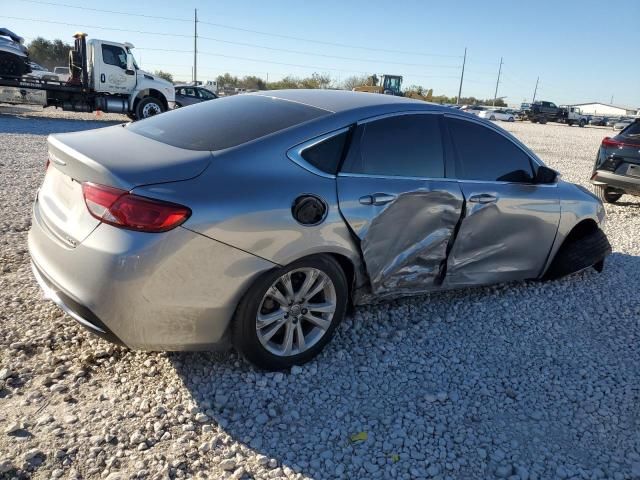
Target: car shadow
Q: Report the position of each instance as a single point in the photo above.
(365, 384)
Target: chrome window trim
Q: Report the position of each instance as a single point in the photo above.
(394, 177)
(399, 114)
(295, 153)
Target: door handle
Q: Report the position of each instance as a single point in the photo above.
(483, 198)
(377, 199)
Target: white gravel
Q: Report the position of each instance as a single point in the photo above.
(524, 381)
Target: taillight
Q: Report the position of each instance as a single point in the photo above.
(612, 142)
(125, 210)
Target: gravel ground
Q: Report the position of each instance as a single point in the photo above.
(522, 381)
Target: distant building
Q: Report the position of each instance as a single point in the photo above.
(597, 108)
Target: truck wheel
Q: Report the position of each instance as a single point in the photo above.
(581, 123)
(543, 121)
(148, 107)
(534, 120)
(580, 253)
(606, 194)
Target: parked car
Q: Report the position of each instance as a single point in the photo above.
(599, 121)
(189, 95)
(63, 73)
(38, 71)
(474, 109)
(617, 167)
(498, 114)
(622, 123)
(167, 234)
(14, 56)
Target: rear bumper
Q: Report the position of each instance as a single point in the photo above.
(172, 291)
(625, 183)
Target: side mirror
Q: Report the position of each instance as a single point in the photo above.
(546, 175)
(130, 65)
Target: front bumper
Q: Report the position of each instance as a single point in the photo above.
(625, 183)
(172, 291)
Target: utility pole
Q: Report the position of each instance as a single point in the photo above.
(495, 95)
(195, 46)
(611, 102)
(535, 90)
(462, 76)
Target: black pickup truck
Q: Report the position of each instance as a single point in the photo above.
(543, 112)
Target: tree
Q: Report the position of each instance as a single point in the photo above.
(166, 75)
(227, 81)
(252, 82)
(350, 83)
(49, 54)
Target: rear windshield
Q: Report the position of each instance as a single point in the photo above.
(225, 123)
(632, 132)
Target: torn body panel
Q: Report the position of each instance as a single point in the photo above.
(404, 232)
(506, 234)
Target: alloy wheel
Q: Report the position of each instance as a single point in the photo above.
(296, 311)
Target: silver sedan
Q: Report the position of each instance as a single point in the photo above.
(169, 234)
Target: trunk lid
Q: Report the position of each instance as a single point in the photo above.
(113, 157)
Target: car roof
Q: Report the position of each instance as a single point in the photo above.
(342, 100)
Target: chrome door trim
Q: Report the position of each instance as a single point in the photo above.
(393, 177)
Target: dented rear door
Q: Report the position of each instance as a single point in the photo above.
(394, 196)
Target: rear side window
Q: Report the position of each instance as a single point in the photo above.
(483, 154)
(225, 123)
(326, 155)
(405, 145)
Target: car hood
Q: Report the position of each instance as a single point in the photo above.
(117, 157)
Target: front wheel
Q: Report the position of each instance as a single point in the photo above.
(493, 117)
(148, 107)
(289, 314)
(606, 195)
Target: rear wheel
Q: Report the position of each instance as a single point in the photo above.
(577, 254)
(606, 194)
(290, 314)
(149, 107)
(510, 119)
(493, 117)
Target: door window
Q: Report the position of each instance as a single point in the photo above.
(113, 55)
(483, 154)
(403, 145)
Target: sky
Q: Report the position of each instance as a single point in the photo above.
(580, 49)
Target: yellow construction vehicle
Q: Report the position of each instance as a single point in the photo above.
(391, 85)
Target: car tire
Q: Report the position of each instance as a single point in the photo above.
(511, 119)
(542, 121)
(148, 107)
(533, 120)
(580, 253)
(493, 117)
(581, 123)
(606, 195)
(252, 342)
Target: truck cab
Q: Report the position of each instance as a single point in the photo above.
(114, 71)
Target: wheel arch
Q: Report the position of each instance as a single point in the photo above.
(577, 230)
(150, 92)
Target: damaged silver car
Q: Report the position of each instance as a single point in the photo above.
(259, 218)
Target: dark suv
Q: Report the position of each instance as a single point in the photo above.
(617, 168)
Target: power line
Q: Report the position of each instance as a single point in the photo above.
(231, 27)
(244, 44)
